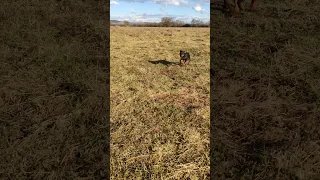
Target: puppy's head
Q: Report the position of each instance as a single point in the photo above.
(182, 53)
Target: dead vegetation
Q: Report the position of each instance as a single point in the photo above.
(265, 92)
(159, 110)
(53, 95)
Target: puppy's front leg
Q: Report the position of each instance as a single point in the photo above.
(180, 62)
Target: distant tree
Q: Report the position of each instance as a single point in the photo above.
(196, 22)
(178, 23)
(166, 21)
(186, 25)
(153, 24)
(126, 23)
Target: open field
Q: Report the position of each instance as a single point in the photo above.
(159, 110)
(53, 118)
(266, 91)
(53, 90)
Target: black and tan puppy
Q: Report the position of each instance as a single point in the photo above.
(184, 57)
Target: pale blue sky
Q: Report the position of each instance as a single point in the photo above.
(154, 10)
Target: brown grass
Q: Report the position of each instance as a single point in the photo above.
(159, 111)
(265, 96)
(53, 103)
(265, 93)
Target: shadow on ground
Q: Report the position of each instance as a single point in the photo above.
(164, 62)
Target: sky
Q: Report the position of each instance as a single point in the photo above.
(154, 10)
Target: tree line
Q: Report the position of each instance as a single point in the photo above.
(166, 22)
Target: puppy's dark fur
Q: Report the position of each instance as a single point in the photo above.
(184, 57)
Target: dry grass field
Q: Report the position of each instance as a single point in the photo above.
(159, 110)
(53, 90)
(54, 97)
(265, 93)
